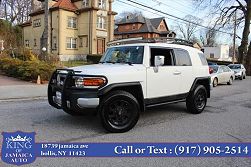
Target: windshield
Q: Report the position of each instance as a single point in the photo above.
(215, 68)
(124, 54)
(235, 66)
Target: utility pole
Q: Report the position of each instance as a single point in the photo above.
(45, 36)
(234, 39)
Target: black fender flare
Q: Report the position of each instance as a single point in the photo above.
(126, 85)
(206, 81)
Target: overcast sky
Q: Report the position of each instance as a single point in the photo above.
(179, 8)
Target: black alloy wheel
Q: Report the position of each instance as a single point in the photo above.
(119, 111)
(200, 99)
(197, 100)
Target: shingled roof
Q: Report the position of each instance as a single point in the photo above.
(149, 25)
(65, 4)
(156, 21)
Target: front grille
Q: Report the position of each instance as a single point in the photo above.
(60, 79)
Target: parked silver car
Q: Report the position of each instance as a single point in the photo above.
(239, 70)
(222, 74)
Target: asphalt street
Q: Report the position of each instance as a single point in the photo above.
(227, 118)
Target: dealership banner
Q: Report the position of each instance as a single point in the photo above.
(20, 148)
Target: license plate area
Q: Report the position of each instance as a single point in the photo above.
(58, 98)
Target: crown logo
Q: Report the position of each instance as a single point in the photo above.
(19, 139)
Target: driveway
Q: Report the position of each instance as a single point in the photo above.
(6, 81)
(12, 88)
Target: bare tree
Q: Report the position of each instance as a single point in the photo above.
(226, 9)
(187, 30)
(16, 11)
(125, 14)
(208, 37)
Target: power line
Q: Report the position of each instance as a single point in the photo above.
(181, 4)
(169, 6)
(145, 6)
(155, 13)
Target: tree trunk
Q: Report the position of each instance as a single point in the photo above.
(244, 43)
(248, 60)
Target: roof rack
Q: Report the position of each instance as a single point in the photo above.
(150, 40)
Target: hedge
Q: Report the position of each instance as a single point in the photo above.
(26, 70)
(93, 58)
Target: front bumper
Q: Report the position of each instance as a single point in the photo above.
(238, 75)
(62, 93)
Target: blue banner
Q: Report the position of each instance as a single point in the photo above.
(19, 148)
(144, 149)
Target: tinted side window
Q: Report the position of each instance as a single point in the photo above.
(182, 57)
(203, 59)
(226, 69)
(220, 70)
(167, 53)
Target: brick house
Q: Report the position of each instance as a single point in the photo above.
(139, 26)
(76, 28)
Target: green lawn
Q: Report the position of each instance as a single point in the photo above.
(74, 63)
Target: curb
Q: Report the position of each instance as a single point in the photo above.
(23, 99)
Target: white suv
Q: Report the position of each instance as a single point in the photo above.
(132, 76)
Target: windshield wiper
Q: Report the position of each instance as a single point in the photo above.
(102, 62)
(128, 62)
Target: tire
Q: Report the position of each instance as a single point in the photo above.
(119, 111)
(215, 82)
(197, 100)
(241, 78)
(230, 82)
(244, 77)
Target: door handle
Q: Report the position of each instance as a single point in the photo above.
(177, 73)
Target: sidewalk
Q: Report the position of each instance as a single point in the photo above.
(4, 81)
(11, 88)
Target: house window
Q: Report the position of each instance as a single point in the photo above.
(85, 3)
(211, 55)
(101, 4)
(71, 43)
(72, 22)
(27, 43)
(101, 23)
(80, 42)
(35, 42)
(37, 23)
(54, 43)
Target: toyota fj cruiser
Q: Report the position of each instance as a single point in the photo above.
(133, 75)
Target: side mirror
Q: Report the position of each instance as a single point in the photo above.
(159, 61)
